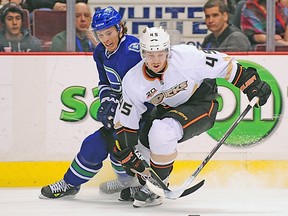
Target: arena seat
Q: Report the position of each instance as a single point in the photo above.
(236, 18)
(46, 24)
(262, 48)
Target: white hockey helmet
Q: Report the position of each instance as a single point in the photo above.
(154, 39)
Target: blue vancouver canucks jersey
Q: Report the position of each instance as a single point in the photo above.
(112, 67)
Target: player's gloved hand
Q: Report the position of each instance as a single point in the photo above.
(106, 111)
(130, 159)
(260, 89)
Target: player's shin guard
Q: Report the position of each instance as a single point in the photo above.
(162, 170)
(81, 171)
(162, 164)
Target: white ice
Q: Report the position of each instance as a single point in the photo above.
(204, 202)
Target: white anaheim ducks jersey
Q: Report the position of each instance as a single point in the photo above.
(187, 68)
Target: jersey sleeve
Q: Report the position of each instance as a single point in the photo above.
(130, 108)
(212, 64)
(128, 114)
(103, 84)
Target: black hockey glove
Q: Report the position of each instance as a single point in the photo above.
(248, 80)
(129, 158)
(106, 111)
(262, 90)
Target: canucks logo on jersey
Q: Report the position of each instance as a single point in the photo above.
(134, 47)
(114, 79)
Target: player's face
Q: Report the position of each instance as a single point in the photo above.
(109, 38)
(156, 60)
(13, 23)
(216, 21)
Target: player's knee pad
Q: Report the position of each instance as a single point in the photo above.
(164, 135)
(94, 148)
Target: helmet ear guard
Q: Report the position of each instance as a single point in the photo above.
(154, 39)
(106, 18)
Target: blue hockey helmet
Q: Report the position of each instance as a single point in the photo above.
(106, 18)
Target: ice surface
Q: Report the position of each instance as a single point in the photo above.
(204, 202)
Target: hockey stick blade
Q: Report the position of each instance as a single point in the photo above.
(173, 194)
(192, 189)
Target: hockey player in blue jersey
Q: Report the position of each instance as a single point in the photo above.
(114, 56)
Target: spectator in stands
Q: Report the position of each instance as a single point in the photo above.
(224, 36)
(253, 22)
(17, 2)
(231, 7)
(58, 5)
(6, 2)
(85, 39)
(13, 38)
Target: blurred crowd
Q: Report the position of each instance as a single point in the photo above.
(17, 23)
(229, 23)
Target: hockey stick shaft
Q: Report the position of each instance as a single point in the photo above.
(183, 189)
(226, 135)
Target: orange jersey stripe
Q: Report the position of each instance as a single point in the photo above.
(239, 75)
(201, 116)
(126, 130)
(161, 166)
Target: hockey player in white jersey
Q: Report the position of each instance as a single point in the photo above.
(180, 82)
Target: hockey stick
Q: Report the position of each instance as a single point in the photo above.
(184, 190)
(164, 187)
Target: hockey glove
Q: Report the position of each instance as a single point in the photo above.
(249, 82)
(262, 90)
(106, 111)
(130, 159)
